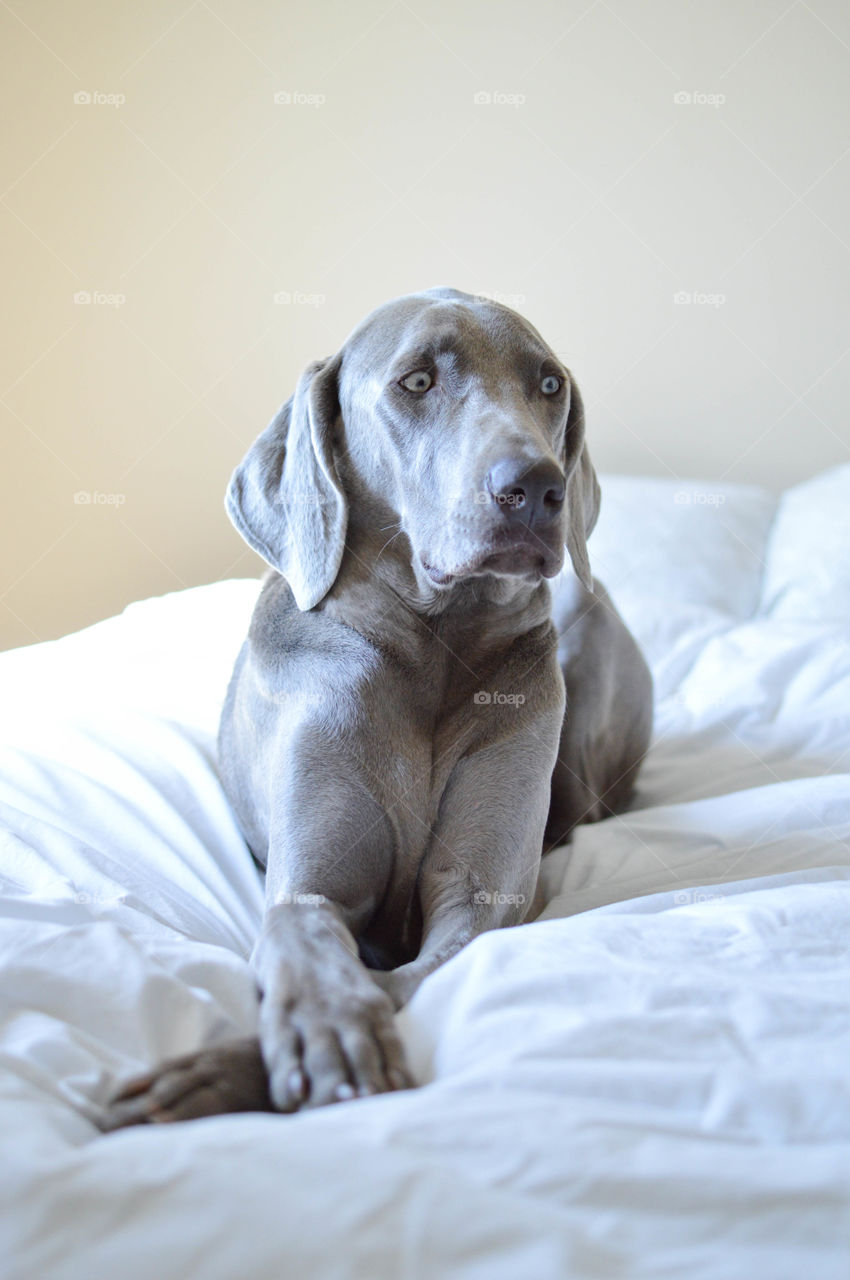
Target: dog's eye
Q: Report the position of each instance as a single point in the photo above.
(419, 381)
(551, 384)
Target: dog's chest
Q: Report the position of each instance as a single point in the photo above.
(422, 723)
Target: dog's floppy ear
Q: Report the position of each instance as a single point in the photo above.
(582, 490)
(285, 497)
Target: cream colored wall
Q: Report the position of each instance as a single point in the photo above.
(582, 191)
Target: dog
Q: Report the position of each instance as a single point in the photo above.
(394, 739)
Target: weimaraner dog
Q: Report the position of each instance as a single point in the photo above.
(394, 740)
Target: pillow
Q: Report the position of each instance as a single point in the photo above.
(682, 561)
(807, 576)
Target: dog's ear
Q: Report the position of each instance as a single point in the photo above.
(285, 497)
(582, 490)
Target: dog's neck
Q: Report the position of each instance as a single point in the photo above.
(491, 609)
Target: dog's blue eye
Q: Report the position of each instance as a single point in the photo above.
(419, 381)
(550, 384)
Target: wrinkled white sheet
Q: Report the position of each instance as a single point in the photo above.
(652, 1080)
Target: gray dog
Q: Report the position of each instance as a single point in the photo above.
(394, 741)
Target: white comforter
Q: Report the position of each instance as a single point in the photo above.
(654, 1080)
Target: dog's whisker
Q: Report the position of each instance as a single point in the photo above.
(387, 543)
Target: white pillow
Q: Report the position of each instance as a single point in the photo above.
(682, 561)
(808, 557)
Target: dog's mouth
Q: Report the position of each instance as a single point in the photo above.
(521, 554)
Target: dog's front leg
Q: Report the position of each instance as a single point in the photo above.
(482, 865)
(326, 1029)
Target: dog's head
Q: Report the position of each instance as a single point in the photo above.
(445, 423)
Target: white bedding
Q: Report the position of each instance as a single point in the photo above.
(654, 1080)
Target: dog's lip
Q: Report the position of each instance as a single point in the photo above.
(516, 559)
(438, 576)
(516, 554)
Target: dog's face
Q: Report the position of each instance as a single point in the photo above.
(457, 414)
(444, 418)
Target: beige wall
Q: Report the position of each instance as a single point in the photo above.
(582, 190)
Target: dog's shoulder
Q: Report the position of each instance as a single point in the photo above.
(282, 637)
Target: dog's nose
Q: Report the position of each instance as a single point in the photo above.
(527, 492)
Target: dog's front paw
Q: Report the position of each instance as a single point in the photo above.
(321, 1048)
(228, 1077)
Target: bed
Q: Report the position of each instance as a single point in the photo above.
(651, 1080)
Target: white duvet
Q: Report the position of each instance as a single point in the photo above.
(654, 1080)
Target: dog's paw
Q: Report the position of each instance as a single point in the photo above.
(229, 1077)
(319, 1050)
